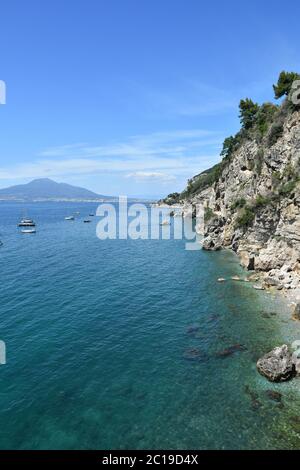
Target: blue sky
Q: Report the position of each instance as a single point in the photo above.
(133, 96)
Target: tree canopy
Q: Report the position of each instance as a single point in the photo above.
(284, 84)
(248, 113)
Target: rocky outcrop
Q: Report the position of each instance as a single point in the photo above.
(277, 365)
(255, 206)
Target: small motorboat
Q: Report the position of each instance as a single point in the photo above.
(28, 231)
(70, 217)
(91, 215)
(165, 222)
(87, 221)
(26, 223)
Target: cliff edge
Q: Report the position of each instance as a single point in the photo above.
(252, 197)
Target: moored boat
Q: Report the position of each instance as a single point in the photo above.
(28, 231)
(165, 222)
(26, 223)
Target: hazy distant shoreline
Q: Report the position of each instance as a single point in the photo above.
(112, 200)
(47, 190)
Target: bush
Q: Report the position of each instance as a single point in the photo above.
(238, 204)
(265, 117)
(248, 113)
(204, 180)
(259, 161)
(245, 217)
(172, 198)
(208, 214)
(261, 201)
(230, 145)
(290, 172)
(276, 179)
(289, 187)
(275, 133)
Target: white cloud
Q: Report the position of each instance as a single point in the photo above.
(160, 156)
(151, 176)
(157, 143)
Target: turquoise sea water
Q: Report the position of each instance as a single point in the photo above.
(116, 344)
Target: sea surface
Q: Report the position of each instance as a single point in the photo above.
(133, 344)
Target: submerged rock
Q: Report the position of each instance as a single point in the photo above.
(194, 354)
(193, 329)
(255, 403)
(273, 395)
(277, 365)
(266, 315)
(231, 350)
(296, 312)
(295, 423)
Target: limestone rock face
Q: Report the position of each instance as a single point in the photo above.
(213, 235)
(277, 365)
(271, 242)
(247, 260)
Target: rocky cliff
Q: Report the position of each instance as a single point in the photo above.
(252, 198)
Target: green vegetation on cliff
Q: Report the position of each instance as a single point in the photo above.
(262, 124)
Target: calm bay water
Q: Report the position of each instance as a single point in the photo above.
(115, 344)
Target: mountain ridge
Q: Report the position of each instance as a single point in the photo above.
(48, 189)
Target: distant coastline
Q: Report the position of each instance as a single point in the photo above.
(74, 200)
(24, 200)
(47, 190)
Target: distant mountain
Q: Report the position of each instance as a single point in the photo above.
(47, 189)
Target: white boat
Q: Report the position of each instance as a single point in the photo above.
(26, 223)
(165, 222)
(28, 231)
(70, 217)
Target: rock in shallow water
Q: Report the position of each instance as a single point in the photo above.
(273, 395)
(255, 403)
(231, 350)
(296, 312)
(195, 354)
(193, 329)
(277, 365)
